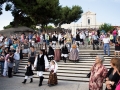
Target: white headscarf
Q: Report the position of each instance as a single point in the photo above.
(56, 65)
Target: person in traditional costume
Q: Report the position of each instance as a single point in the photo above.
(53, 75)
(54, 38)
(64, 53)
(68, 40)
(41, 64)
(74, 53)
(57, 53)
(31, 55)
(29, 72)
(50, 53)
(78, 39)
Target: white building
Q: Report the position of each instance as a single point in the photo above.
(88, 20)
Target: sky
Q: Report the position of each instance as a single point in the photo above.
(106, 10)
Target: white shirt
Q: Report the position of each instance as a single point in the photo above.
(106, 40)
(59, 37)
(6, 44)
(33, 42)
(1, 38)
(46, 61)
(53, 67)
(16, 56)
(118, 32)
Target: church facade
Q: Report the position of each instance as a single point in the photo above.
(88, 20)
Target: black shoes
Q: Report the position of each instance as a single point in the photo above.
(31, 80)
(41, 80)
(24, 81)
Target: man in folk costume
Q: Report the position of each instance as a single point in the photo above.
(64, 53)
(41, 63)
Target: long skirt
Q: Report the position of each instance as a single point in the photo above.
(74, 55)
(52, 78)
(57, 55)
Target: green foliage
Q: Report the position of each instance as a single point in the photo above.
(68, 15)
(33, 12)
(8, 26)
(49, 27)
(107, 27)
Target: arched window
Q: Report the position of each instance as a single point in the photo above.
(88, 21)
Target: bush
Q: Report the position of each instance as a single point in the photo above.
(107, 27)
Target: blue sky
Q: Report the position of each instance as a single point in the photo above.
(106, 10)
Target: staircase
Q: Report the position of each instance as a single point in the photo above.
(73, 71)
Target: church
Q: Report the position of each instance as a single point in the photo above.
(88, 20)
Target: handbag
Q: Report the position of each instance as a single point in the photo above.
(88, 75)
(118, 86)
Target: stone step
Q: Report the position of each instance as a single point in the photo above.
(61, 71)
(78, 79)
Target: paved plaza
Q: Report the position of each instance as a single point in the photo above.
(15, 84)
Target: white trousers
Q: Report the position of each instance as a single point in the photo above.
(26, 77)
(5, 68)
(40, 73)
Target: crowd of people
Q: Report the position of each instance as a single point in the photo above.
(53, 48)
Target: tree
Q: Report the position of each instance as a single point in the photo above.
(107, 27)
(68, 15)
(33, 11)
(1, 4)
(8, 26)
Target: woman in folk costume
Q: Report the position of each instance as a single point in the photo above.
(50, 53)
(53, 76)
(74, 53)
(64, 53)
(57, 53)
(29, 73)
(68, 40)
(32, 55)
(45, 49)
(41, 64)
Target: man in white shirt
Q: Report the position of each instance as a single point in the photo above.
(119, 31)
(17, 61)
(106, 42)
(41, 64)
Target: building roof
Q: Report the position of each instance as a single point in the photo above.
(19, 29)
(89, 12)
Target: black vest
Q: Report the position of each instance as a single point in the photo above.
(40, 63)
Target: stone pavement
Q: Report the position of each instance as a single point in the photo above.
(15, 84)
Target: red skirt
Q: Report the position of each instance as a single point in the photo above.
(57, 55)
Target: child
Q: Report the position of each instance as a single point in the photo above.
(10, 64)
(53, 76)
(29, 73)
